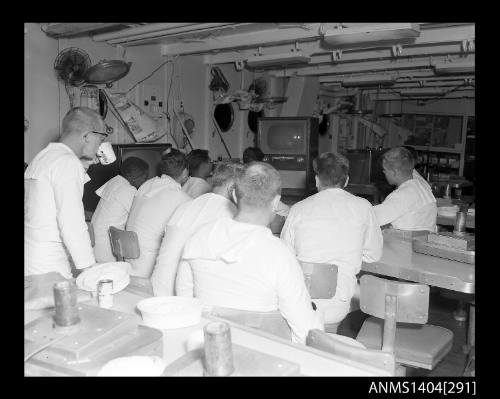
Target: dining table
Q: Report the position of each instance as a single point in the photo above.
(177, 343)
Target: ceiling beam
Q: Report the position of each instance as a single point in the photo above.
(75, 28)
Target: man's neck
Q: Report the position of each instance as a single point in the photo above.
(401, 180)
(253, 216)
(320, 188)
(73, 146)
(222, 191)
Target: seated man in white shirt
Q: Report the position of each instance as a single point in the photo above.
(334, 227)
(200, 168)
(56, 237)
(412, 205)
(239, 264)
(114, 206)
(252, 154)
(187, 219)
(154, 203)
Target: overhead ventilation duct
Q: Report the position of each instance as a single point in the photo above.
(293, 57)
(374, 80)
(450, 68)
(361, 35)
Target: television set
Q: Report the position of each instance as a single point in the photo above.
(290, 144)
(100, 174)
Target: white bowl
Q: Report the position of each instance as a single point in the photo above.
(448, 211)
(165, 312)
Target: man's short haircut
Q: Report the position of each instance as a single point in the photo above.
(399, 159)
(258, 184)
(252, 154)
(225, 172)
(332, 169)
(80, 119)
(196, 158)
(134, 167)
(413, 152)
(173, 163)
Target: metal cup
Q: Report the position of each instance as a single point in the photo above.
(66, 304)
(218, 350)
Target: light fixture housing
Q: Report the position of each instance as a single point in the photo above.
(422, 92)
(293, 57)
(361, 35)
(451, 68)
(369, 80)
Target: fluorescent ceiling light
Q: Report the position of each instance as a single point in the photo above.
(293, 57)
(422, 93)
(344, 37)
(447, 68)
(374, 80)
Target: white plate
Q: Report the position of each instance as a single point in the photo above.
(448, 211)
(119, 272)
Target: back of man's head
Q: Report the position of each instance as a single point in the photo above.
(173, 163)
(80, 120)
(133, 167)
(226, 173)
(257, 185)
(399, 159)
(332, 169)
(196, 159)
(252, 154)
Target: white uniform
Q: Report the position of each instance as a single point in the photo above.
(335, 227)
(112, 210)
(411, 206)
(55, 233)
(243, 266)
(196, 186)
(186, 219)
(154, 203)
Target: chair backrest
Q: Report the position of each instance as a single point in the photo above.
(124, 244)
(320, 279)
(90, 228)
(339, 346)
(394, 301)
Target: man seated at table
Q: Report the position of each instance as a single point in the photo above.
(116, 197)
(239, 264)
(252, 154)
(187, 219)
(200, 167)
(334, 227)
(412, 205)
(154, 203)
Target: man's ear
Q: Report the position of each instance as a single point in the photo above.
(275, 202)
(346, 181)
(233, 194)
(317, 180)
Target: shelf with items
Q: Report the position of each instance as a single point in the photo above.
(470, 148)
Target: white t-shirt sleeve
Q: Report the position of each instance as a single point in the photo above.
(184, 285)
(373, 240)
(293, 299)
(287, 232)
(67, 185)
(394, 206)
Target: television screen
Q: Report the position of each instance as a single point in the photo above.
(283, 136)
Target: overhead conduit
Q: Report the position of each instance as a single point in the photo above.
(156, 31)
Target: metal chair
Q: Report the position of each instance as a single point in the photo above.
(351, 349)
(90, 229)
(414, 342)
(321, 282)
(125, 245)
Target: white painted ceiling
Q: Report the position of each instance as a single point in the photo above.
(410, 61)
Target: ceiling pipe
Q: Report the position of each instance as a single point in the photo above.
(170, 32)
(139, 30)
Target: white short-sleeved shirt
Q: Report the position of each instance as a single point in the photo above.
(412, 206)
(196, 186)
(55, 232)
(334, 227)
(243, 266)
(186, 220)
(154, 203)
(112, 210)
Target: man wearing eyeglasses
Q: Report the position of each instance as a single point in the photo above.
(56, 238)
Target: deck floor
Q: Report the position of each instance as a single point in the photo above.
(440, 314)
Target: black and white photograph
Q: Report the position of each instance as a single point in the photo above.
(251, 199)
